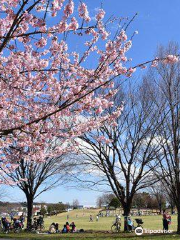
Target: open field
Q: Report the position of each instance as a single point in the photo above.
(81, 219)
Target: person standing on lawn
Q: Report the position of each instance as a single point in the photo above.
(91, 218)
(165, 220)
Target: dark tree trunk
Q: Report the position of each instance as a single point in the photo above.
(178, 207)
(29, 211)
(178, 220)
(126, 214)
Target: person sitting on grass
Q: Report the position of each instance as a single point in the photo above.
(64, 229)
(73, 227)
(57, 227)
(5, 224)
(67, 227)
(52, 228)
(17, 223)
(22, 218)
(130, 224)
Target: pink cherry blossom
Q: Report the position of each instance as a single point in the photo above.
(132, 70)
(41, 43)
(73, 25)
(69, 8)
(170, 59)
(100, 15)
(83, 12)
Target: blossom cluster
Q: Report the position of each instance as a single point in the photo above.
(171, 59)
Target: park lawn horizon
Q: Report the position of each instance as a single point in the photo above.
(81, 219)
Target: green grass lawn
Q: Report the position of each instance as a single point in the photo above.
(81, 219)
(99, 230)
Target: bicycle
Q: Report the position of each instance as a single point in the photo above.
(116, 227)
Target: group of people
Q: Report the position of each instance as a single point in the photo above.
(54, 228)
(16, 223)
(91, 218)
(69, 227)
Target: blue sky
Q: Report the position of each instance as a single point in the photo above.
(157, 23)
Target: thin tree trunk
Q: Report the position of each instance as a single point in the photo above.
(160, 208)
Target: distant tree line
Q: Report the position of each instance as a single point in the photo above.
(55, 208)
(142, 200)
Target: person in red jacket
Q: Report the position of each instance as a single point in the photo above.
(67, 227)
(165, 220)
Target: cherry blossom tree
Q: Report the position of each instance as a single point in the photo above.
(45, 80)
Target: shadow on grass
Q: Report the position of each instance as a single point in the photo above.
(88, 236)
